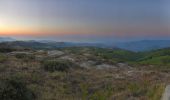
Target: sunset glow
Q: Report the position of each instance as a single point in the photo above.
(98, 18)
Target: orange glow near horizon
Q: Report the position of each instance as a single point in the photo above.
(17, 27)
(84, 18)
(32, 27)
(37, 31)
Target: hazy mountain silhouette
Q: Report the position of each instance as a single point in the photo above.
(144, 45)
(5, 39)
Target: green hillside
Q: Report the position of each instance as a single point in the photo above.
(157, 57)
(82, 73)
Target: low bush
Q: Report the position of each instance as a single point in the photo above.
(2, 58)
(20, 56)
(14, 89)
(57, 65)
(25, 57)
(5, 50)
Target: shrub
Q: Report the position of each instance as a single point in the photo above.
(2, 58)
(5, 50)
(25, 57)
(14, 89)
(155, 92)
(20, 56)
(57, 65)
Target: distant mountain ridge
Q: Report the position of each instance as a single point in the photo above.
(5, 39)
(144, 45)
(136, 46)
(47, 45)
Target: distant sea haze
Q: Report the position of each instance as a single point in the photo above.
(137, 46)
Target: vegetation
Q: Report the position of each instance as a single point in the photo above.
(84, 73)
(25, 57)
(5, 50)
(2, 58)
(14, 89)
(58, 65)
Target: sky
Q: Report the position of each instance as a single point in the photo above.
(85, 20)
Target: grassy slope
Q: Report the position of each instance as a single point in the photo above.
(81, 84)
(92, 84)
(159, 57)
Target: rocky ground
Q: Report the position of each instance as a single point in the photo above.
(85, 76)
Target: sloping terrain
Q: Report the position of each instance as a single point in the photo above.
(82, 73)
(144, 45)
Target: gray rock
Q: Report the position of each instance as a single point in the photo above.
(166, 94)
(87, 64)
(55, 53)
(103, 66)
(67, 57)
(20, 52)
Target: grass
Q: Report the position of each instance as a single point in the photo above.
(162, 60)
(15, 89)
(3, 58)
(56, 79)
(25, 57)
(57, 65)
(155, 92)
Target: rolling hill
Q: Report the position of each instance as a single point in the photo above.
(144, 45)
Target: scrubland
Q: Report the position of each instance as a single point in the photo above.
(83, 73)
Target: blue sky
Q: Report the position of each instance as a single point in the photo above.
(85, 20)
